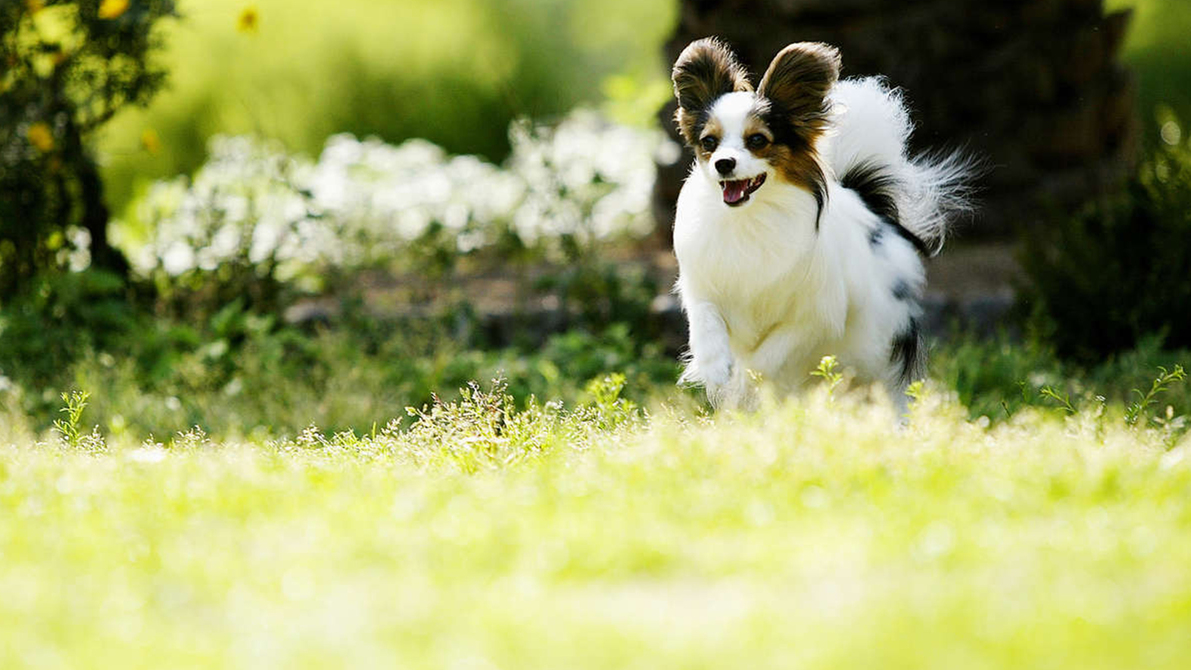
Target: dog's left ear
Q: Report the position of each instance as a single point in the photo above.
(798, 81)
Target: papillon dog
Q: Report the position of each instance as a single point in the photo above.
(801, 229)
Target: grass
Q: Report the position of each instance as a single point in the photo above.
(807, 535)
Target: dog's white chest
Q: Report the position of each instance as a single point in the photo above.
(753, 264)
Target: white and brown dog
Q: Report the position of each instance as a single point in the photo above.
(801, 228)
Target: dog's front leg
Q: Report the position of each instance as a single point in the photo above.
(711, 354)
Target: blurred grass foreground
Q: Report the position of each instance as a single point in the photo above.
(807, 535)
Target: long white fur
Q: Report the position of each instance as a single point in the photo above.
(766, 293)
(872, 124)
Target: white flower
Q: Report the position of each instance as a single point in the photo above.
(178, 258)
(365, 200)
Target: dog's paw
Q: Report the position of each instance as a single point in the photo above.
(717, 376)
(708, 372)
(716, 372)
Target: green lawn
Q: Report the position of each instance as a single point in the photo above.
(809, 535)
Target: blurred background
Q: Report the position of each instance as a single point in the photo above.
(253, 216)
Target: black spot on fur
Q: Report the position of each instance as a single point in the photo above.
(908, 355)
(876, 188)
(902, 290)
(876, 235)
(820, 192)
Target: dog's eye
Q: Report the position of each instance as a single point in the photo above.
(709, 143)
(756, 141)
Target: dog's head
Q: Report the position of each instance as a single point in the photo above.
(744, 138)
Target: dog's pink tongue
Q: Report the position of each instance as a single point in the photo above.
(734, 191)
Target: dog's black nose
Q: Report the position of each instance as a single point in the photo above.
(725, 165)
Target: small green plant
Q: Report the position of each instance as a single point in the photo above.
(68, 429)
(1162, 383)
(481, 429)
(828, 372)
(605, 391)
(607, 408)
(917, 390)
(1061, 397)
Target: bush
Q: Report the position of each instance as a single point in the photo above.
(61, 316)
(258, 222)
(1121, 269)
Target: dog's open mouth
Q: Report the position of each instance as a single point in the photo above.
(737, 192)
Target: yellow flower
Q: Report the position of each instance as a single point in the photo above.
(151, 141)
(40, 136)
(249, 20)
(112, 9)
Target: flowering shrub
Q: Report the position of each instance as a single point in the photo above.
(258, 210)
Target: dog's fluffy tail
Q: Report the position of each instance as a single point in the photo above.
(872, 130)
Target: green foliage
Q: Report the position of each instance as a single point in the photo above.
(60, 317)
(596, 295)
(998, 379)
(69, 67)
(1117, 272)
(606, 409)
(239, 372)
(993, 376)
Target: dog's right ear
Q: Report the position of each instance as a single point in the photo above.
(705, 70)
(798, 82)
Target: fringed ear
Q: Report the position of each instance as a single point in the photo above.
(797, 83)
(704, 71)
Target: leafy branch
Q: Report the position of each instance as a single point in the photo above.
(1162, 383)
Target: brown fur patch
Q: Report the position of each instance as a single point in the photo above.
(796, 86)
(754, 125)
(711, 128)
(798, 167)
(704, 71)
(795, 161)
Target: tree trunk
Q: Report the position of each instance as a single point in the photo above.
(94, 214)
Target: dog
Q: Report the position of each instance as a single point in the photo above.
(802, 226)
